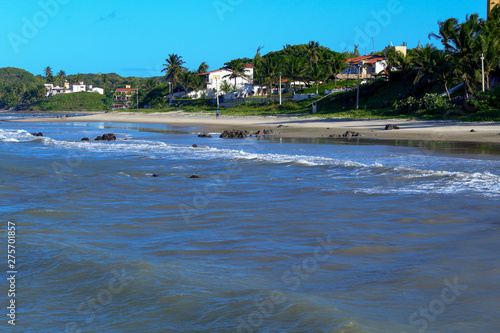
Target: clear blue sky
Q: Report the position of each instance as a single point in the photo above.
(134, 37)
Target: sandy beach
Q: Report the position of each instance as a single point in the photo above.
(305, 127)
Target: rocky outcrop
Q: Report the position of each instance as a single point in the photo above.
(85, 139)
(390, 127)
(204, 135)
(106, 137)
(347, 135)
(194, 146)
(264, 132)
(194, 176)
(37, 134)
(234, 134)
(473, 131)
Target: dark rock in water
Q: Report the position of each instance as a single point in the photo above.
(473, 131)
(391, 127)
(106, 137)
(264, 132)
(109, 137)
(155, 175)
(205, 135)
(85, 139)
(347, 135)
(194, 146)
(234, 134)
(37, 134)
(194, 176)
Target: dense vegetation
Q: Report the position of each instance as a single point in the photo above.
(411, 86)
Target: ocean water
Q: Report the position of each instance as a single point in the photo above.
(275, 235)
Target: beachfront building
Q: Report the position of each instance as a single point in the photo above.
(124, 97)
(492, 4)
(69, 89)
(372, 65)
(214, 79)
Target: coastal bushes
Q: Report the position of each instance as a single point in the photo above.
(429, 103)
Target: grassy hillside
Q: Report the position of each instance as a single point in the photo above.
(10, 76)
(74, 102)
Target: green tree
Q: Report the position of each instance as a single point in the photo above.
(203, 68)
(317, 74)
(61, 77)
(173, 69)
(336, 65)
(78, 78)
(313, 53)
(150, 84)
(227, 88)
(48, 74)
(237, 68)
(488, 41)
(424, 62)
(270, 73)
(295, 69)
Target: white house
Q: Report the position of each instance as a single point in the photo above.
(215, 78)
(373, 65)
(68, 89)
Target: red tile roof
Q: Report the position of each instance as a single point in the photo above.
(219, 70)
(370, 59)
(125, 89)
(224, 69)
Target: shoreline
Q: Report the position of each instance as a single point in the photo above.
(299, 127)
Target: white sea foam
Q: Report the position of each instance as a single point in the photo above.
(7, 135)
(395, 179)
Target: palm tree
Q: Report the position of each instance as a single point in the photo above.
(295, 68)
(402, 62)
(317, 74)
(270, 72)
(336, 65)
(173, 68)
(444, 69)
(78, 78)
(104, 80)
(48, 73)
(203, 68)
(150, 84)
(460, 41)
(61, 77)
(424, 58)
(313, 52)
(227, 87)
(237, 68)
(489, 44)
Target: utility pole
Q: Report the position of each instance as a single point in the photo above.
(482, 69)
(357, 98)
(216, 77)
(169, 93)
(280, 88)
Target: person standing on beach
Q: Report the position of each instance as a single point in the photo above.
(217, 114)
